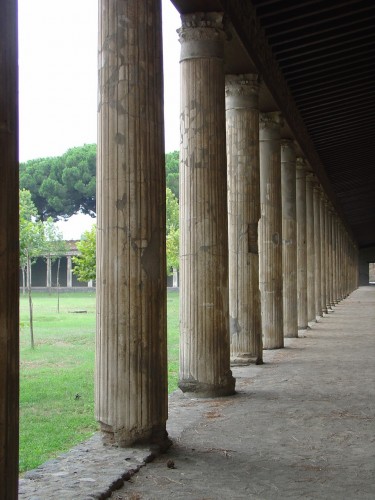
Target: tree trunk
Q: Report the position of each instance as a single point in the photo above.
(24, 280)
(28, 271)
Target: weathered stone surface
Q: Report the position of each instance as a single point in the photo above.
(317, 250)
(204, 304)
(242, 122)
(323, 276)
(270, 232)
(310, 249)
(300, 427)
(131, 372)
(301, 244)
(88, 471)
(289, 232)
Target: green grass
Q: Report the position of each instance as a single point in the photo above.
(57, 377)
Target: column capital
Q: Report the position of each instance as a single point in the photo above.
(301, 164)
(310, 177)
(242, 91)
(288, 152)
(272, 120)
(316, 184)
(247, 84)
(202, 35)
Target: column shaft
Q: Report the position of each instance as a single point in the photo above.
(270, 232)
(301, 244)
(131, 371)
(9, 251)
(289, 232)
(48, 272)
(242, 124)
(69, 271)
(204, 302)
(317, 251)
(323, 255)
(327, 256)
(310, 248)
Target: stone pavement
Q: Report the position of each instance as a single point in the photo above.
(301, 426)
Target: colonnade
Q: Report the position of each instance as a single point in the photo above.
(262, 252)
(247, 202)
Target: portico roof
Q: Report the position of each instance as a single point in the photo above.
(317, 61)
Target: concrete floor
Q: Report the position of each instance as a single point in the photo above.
(301, 425)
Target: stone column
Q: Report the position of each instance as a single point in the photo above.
(48, 273)
(69, 271)
(289, 233)
(204, 301)
(301, 244)
(131, 369)
(328, 265)
(242, 120)
(317, 253)
(175, 278)
(310, 249)
(270, 231)
(335, 259)
(9, 251)
(332, 239)
(323, 254)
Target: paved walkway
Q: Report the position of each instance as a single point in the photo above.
(302, 425)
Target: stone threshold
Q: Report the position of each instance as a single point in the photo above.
(88, 471)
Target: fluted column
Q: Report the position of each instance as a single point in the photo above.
(328, 264)
(9, 252)
(131, 369)
(204, 301)
(336, 258)
(301, 244)
(48, 272)
(333, 258)
(242, 122)
(69, 271)
(310, 249)
(270, 232)
(317, 250)
(323, 274)
(289, 237)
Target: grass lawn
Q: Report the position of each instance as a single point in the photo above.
(57, 377)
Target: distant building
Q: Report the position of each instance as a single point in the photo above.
(44, 271)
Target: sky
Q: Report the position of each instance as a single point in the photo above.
(58, 78)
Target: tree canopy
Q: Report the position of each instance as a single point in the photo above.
(172, 230)
(63, 185)
(172, 172)
(85, 261)
(31, 230)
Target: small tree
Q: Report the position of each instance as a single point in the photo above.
(173, 232)
(173, 239)
(54, 248)
(31, 244)
(85, 261)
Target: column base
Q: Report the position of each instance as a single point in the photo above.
(291, 335)
(245, 359)
(156, 437)
(269, 348)
(195, 389)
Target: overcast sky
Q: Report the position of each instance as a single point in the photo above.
(58, 75)
(58, 81)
